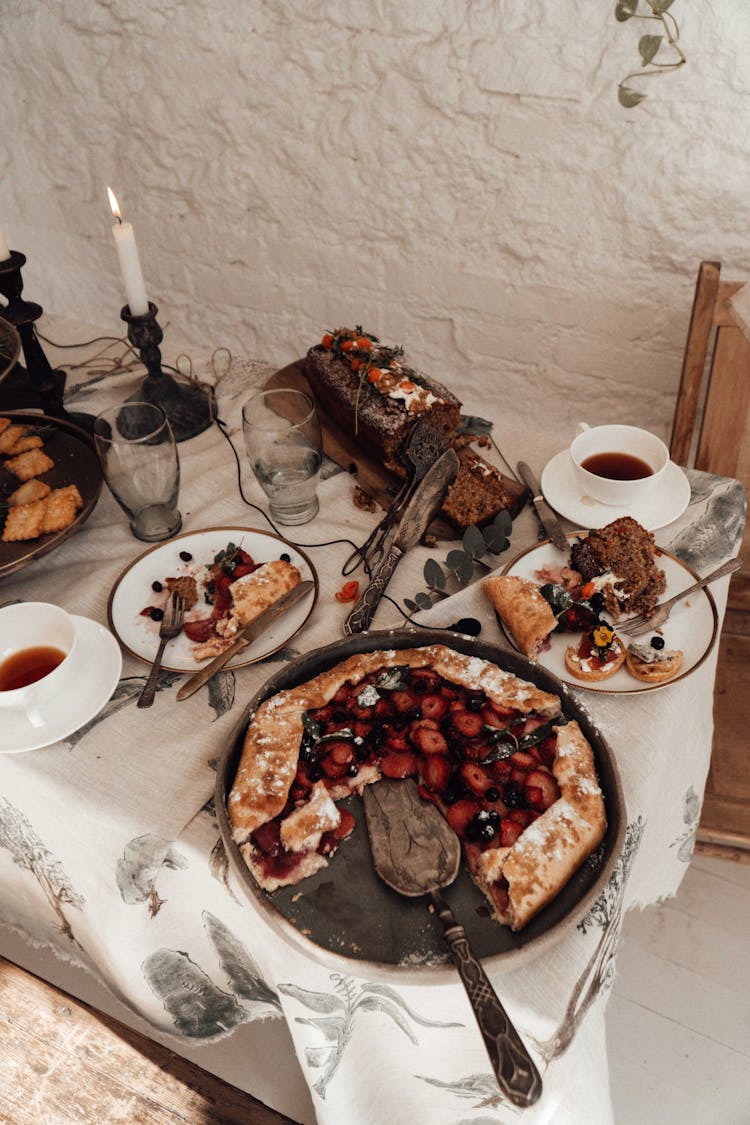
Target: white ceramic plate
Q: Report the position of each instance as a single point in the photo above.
(132, 593)
(100, 662)
(562, 491)
(692, 625)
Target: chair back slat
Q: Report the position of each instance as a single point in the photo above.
(694, 362)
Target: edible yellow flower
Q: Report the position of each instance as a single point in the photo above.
(603, 636)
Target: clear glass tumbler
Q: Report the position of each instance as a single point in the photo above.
(139, 459)
(283, 444)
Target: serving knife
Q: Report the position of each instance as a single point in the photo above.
(422, 505)
(257, 626)
(547, 517)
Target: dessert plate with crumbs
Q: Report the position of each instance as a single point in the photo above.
(692, 626)
(139, 595)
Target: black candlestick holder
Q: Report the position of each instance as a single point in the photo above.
(37, 385)
(187, 406)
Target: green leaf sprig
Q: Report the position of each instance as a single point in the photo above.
(649, 46)
(460, 562)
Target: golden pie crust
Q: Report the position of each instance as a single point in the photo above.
(524, 612)
(538, 864)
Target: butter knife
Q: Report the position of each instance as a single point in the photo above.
(257, 626)
(547, 517)
(422, 505)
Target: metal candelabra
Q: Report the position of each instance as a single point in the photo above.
(187, 406)
(37, 385)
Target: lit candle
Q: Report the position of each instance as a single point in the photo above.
(4, 251)
(130, 266)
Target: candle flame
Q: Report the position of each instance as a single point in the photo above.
(114, 204)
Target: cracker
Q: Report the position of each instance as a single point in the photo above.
(25, 443)
(24, 522)
(59, 511)
(32, 490)
(28, 465)
(9, 437)
(70, 490)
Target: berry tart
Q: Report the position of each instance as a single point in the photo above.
(493, 752)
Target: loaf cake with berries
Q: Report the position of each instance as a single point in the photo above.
(370, 393)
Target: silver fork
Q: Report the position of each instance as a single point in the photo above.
(171, 626)
(635, 626)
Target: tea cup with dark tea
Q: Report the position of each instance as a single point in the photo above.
(618, 465)
(37, 643)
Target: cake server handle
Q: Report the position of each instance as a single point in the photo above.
(361, 616)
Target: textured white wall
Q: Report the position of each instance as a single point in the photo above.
(456, 176)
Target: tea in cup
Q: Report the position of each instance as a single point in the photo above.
(618, 465)
(37, 642)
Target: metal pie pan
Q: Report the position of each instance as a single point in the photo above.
(345, 917)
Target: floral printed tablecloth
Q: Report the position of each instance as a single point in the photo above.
(110, 853)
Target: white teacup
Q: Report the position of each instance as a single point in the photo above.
(35, 625)
(600, 454)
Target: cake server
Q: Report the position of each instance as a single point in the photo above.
(424, 446)
(418, 511)
(416, 852)
(547, 517)
(247, 635)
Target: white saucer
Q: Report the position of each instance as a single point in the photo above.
(100, 660)
(563, 492)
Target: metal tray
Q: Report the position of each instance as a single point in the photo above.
(345, 914)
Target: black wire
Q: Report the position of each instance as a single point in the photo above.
(327, 543)
(84, 343)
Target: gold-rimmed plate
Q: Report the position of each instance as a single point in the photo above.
(192, 554)
(692, 626)
(76, 463)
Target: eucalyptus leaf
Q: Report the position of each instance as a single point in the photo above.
(465, 571)
(410, 605)
(433, 575)
(454, 559)
(503, 521)
(424, 601)
(394, 679)
(473, 542)
(648, 45)
(628, 97)
(660, 6)
(470, 424)
(625, 10)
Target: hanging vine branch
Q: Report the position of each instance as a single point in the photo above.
(649, 46)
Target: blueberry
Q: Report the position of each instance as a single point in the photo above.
(156, 614)
(492, 794)
(494, 816)
(657, 642)
(467, 625)
(480, 829)
(157, 587)
(186, 556)
(353, 770)
(449, 795)
(513, 795)
(285, 557)
(474, 703)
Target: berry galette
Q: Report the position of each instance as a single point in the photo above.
(512, 777)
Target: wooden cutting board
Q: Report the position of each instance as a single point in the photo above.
(371, 476)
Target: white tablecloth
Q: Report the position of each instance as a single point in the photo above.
(110, 854)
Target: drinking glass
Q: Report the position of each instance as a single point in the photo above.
(282, 440)
(139, 459)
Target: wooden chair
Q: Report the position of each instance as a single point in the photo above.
(711, 431)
